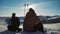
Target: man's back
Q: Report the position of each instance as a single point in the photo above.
(15, 21)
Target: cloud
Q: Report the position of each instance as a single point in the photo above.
(42, 6)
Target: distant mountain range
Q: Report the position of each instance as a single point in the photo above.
(44, 19)
(50, 19)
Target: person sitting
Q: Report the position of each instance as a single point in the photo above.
(14, 23)
(32, 22)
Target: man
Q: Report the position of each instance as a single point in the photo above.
(31, 20)
(14, 23)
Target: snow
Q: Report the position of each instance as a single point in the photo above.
(7, 32)
(24, 32)
(50, 28)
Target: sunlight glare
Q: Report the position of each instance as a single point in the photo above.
(31, 6)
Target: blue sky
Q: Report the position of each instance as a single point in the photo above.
(41, 7)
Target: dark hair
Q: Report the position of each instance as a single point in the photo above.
(31, 10)
(13, 15)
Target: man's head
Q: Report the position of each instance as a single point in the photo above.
(31, 10)
(13, 15)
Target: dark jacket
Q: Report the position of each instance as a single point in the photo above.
(30, 20)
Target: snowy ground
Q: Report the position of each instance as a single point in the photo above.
(50, 28)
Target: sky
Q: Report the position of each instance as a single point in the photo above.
(41, 7)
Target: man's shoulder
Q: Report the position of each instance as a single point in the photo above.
(16, 18)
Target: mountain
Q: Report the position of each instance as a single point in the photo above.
(44, 19)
